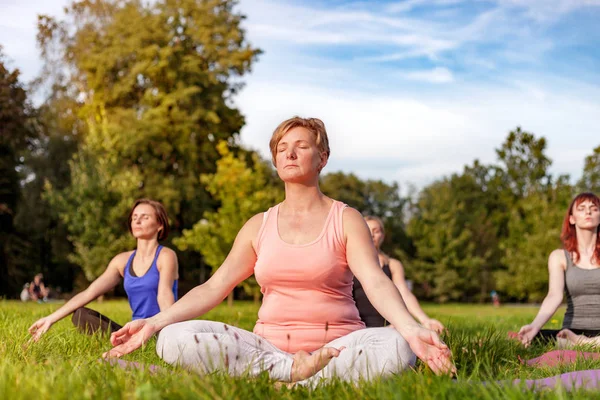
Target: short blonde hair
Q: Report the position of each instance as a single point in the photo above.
(314, 125)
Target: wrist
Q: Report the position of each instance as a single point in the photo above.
(158, 322)
(408, 330)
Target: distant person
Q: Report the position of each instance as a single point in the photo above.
(303, 252)
(37, 290)
(150, 274)
(576, 270)
(495, 298)
(394, 270)
(25, 292)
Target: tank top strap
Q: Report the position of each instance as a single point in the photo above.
(336, 228)
(155, 261)
(267, 215)
(129, 261)
(569, 259)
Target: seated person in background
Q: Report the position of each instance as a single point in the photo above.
(37, 289)
(576, 269)
(394, 270)
(150, 276)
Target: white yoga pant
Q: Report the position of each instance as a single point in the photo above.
(208, 346)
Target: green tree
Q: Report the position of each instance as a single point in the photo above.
(523, 164)
(455, 240)
(590, 179)
(243, 188)
(153, 84)
(535, 204)
(16, 134)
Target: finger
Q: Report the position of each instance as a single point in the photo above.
(33, 328)
(438, 342)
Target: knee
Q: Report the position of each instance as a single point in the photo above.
(167, 345)
(77, 315)
(400, 349)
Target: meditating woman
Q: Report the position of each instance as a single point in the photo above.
(150, 276)
(303, 252)
(576, 270)
(395, 271)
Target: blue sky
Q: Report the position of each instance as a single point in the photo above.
(409, 90)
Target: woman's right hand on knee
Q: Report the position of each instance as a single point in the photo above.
(527, 333)
(131, 337)
(40, 327)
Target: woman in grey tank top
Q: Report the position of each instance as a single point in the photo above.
(575, 269)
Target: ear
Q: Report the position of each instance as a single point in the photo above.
(571, 220)
(324, 159)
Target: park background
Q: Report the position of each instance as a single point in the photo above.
(466, 126)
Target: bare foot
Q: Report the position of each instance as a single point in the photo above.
(306, 365)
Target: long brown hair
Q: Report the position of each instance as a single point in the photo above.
(161, 216)
(569, 234)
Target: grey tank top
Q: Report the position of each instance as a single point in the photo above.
(583, 296)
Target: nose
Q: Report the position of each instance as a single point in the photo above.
(291, 154)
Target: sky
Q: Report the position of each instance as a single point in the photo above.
(410, 91)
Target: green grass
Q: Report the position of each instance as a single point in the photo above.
(65, 364)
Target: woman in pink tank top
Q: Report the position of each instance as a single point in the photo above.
(304, 253)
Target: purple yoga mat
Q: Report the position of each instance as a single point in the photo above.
(588, 379)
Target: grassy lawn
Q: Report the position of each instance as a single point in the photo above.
(65, 364)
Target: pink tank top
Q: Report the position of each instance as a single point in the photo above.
(307, 289)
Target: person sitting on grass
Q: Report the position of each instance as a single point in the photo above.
(150, 276)
(37, 290)
(576, 269)
(303, 252)
(394, 271)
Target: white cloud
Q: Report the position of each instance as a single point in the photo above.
(435, 75)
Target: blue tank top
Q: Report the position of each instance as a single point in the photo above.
(143, 290)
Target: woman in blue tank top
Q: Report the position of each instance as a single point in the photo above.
(150, 276)
(575, 269)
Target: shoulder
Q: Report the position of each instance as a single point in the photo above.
(352, 216)
(254, 223)
(122, 258)
(394, 263)
(119, 261)
(167, 253)
(353, 222)
(395, 266)
(557, 259)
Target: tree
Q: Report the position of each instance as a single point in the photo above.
(534, 203)
(154, 85)
(523, 164)
(16, 134)
(590, 179)
(243, 188)
(455, 239)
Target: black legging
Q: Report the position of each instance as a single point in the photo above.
(549, 335)
(90, 321)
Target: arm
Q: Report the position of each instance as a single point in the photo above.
(238, 266)
(108, 280)
(412, 304)
(579, 340)
(556, 286)
(168, 269)
(385, 297)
